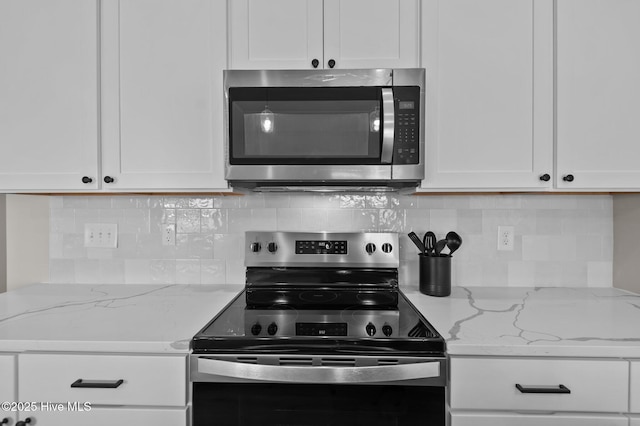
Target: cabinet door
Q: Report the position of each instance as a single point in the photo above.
(48, 94)
(634, 421)
(492, 384)
(598, 94)
(275, 34)
(100, 416)
(635, 387)
(510, 419)
(489, 97)
(162, 94)
(7, 386)
(371, 33)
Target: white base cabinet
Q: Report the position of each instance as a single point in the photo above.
(502, 419)
(635, 387)
(100, 416)
(7, 387)
(539, 391)
(143, 389)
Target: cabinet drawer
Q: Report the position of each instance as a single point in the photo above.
(7, 378)
(112, 416)
(508, 419)
(635, 387)
(490, 384)
(145, 379)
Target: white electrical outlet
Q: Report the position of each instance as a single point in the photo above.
(104, 235)
(169, 235)
(505, 238)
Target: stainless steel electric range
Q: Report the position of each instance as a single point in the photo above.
(321, 335)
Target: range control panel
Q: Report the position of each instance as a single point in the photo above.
(321, 247)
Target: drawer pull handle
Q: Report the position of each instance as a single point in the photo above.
(543, 389)
(97, 384)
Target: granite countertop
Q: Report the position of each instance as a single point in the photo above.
(577, 322)
(545, 321)
(108, 318)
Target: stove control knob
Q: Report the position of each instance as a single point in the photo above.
(256, 329)
(370, 329)
(387, 330)
(387, 248)
(256, 247)
(272, 247)
(272, 329)
(370, 248)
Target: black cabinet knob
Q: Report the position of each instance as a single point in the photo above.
(315, 63)
(568, 178)
(108, 179)
(25, 422)
(545, 177)
(331, 63)
(86, 179)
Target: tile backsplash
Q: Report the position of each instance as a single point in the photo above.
(559, 239)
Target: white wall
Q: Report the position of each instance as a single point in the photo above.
(626, 231)
(3, 244)
(27, 237)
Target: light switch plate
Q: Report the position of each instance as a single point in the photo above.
(104, 235)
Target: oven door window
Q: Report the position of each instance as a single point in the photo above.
(227, 404)
(316, 125)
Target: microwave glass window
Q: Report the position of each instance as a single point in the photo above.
(277, 128)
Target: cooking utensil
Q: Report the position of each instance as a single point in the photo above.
(454, 241)
(429, 242)
(439, 246)
(417, 241)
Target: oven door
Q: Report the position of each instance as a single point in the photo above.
(310, 391)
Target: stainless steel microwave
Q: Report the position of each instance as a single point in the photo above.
(324, 129)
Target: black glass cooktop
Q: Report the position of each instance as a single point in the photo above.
(282, 328)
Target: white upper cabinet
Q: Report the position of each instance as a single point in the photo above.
(48, 95)
(275, 34)
(598, 94)
(489, 67)
(302, 34)
(162, 94)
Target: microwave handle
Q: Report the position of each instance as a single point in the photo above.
(388, 125)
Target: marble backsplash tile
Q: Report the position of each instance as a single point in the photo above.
(559, 239)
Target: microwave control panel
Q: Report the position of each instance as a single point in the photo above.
(406, 144)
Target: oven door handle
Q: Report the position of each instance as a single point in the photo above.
(321, 374)
(388, 124)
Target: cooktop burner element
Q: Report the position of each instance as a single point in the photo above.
(320, 293)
